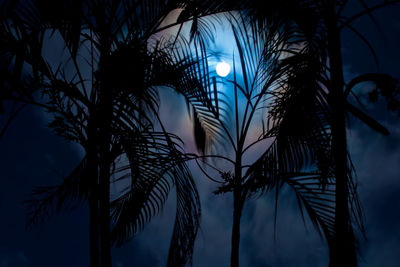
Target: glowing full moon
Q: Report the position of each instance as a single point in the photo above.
(223, 69)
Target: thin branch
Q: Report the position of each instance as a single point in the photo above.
(205, 173)
(368, 11)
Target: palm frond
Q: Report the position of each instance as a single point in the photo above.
(66, 17)
(147, 186)
(319, 202)
(386, 86)
(187, 219)
(299, 121)
(299, 156)
(47, 200)
(372, 123)
(199, 88)
(155, 165)
(368, 11)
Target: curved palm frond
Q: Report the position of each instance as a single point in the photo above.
(155, 165)
(386, 86)
(372, 123)
(187, 219)
(317, 201)
(200, 90)
(48, 200)
(299, 120)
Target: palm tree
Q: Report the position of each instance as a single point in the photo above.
(102, 95)
(318, 25)
(325, 41)
(263, 83)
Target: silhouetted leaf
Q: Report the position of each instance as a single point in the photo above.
(47, 200)
(373, 124)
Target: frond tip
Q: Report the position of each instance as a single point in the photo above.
(50, 199)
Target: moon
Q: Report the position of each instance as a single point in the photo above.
(223, 69)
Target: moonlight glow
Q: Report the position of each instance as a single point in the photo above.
(223, 69)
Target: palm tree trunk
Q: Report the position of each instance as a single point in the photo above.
(237, 213)
(105, 112)
(93, 195)
(93, 232)
(342, 251)
(104, 207)
(99, 162)
(104, 143)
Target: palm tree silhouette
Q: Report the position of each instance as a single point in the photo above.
(265, 83)
(318, 25)
(322, 32)
(102, 95)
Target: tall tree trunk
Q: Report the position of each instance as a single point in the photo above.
(105, 113)
(104, 207)
(93, 232)
(237, 213)
(104, 143)
(94, 244)
(342, 251)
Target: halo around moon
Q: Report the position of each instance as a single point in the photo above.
(223, 69)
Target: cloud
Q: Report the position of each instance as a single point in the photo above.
(293, 243)
(376, 159)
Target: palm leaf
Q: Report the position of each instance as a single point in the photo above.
(299, 155)
(49, 199)
(386, 86)
(320, 202)
(198, 86)
(373, 124)
(156, 165)
(187, 219)
(317, 201)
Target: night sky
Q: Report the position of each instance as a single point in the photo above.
(32, 155)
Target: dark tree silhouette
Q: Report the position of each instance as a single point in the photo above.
(266, 80)
(322, 36)
(318, 25)
(102, 95)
